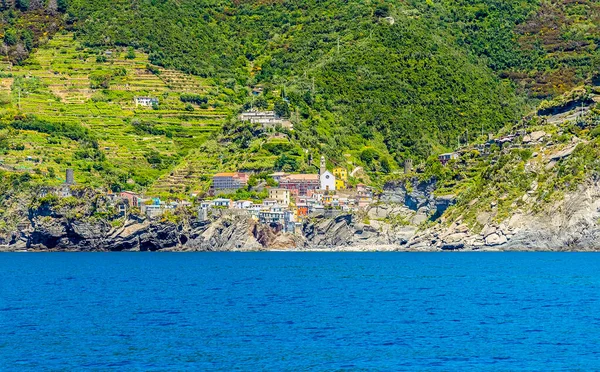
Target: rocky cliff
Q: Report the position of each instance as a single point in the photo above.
(404, 219)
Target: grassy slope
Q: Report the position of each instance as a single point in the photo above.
(63, 69)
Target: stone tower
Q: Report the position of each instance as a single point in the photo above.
(408, 165)
(70, 177)
(323, 167)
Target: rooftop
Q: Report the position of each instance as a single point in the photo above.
(302, 177)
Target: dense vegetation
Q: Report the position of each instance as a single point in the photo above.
(355, 79)
(368, 83)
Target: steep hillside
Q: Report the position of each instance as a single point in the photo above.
(368, 84)
(352, 70)
(64, 87)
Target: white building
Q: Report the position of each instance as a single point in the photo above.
(146, 101)
(327, 181)
(222, 203)
(243, 204)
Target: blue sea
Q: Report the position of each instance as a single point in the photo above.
(299, 311)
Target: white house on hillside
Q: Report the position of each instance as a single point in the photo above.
(327, 181)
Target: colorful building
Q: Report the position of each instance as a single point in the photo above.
(223, 182)
(301, 182)
(302, 210)
(341, 177)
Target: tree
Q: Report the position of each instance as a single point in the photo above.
(27, 37)
(3, 141)
(368, 155)
(261, 103)
(20, 53)
(22, 4)
(130, 53)
(382, 10)
(286, 164)
(10, 37)
(62, 5)
(385, 165)
(282, 109)
(252, 181)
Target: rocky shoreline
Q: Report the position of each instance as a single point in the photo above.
(571, 224)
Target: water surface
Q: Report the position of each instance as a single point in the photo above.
(300, 311)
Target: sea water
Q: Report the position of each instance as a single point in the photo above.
(299, 311)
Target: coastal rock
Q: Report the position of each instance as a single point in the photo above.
(495, 239)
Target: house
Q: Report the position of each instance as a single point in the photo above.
(364, 196)
(121, 207)
(268, 119)
(243, 204)
(341, 178)
(229, 182)
(277, 176)
(302, 210)
(445, 158)
(152, 210)
(327, 180)
(301, 182)
(283, 196)
(203, 214)
(269, 203)
(146, 101)
(206, 204)
(222, 203)
(271, 217)
(289, 221)
(132, 198)
(65, 191)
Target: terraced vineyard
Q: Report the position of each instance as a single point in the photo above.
(63, 82)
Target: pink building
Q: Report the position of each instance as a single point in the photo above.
(229, 181)
(131, 197)
(304, 183)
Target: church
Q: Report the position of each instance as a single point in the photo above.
(326, 177)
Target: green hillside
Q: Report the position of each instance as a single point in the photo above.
(350, 73)
(58, 86)
(366, 83)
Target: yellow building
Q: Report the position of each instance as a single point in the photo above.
(341, 177)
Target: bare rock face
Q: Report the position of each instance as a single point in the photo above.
(495, 239)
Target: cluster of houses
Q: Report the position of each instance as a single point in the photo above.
(287, 208)
(151, 207)
(297, 197)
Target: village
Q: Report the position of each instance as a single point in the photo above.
(289, 199)
(295, 198)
